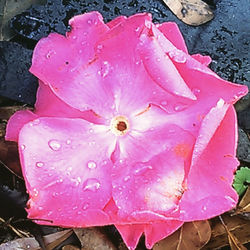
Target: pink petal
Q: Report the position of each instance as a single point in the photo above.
(16, 122)
(48, 104)
(130, 234)
(209, 181)
(149, 175)
(172, 32)
(66, 167)
(161, 68)
(158, 231)
(116, 21)
(73, 78)
(206, 60)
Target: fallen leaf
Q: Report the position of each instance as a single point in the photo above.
(238, 226)
(192, 235)
(10, 8)
(234, 243)
(51, 241)
(244, 205)
(93, 239)
(192, 12)
(70, 247)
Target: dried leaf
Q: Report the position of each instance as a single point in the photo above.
(70, 247)
(93, 239)
(239, 227)
(10, 8)
(192, 235)
(51, 241)
(244, 205)
(192, 12)
(234, 243)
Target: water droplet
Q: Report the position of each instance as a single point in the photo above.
(91, 130)
(204, 208)
(76, 181)
(23, 147)
(55, 194)
(35, 192)
(141, 168)
(137, 29)
(74, 37)
(196, 91)
(50, 54)
(40, 208)
(91, 184)
(85, 206)
(104, 69)
(54, 145)
(39, 164)
(99, 47)
(126, 178)
(180, 107)
(60, 180)
(89, 21)
(75, 207)
(178, 56)
(68, 142)
(158, 59)
(28, 246)
(137, 62)
(91, 165)
(220, 103)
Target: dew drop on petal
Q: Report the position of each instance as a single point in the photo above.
(89, 21)
(91, 165)
(126, 178)
(91, 184)
(23, 147)
(178, 56)
(141, 168)
(35, 192)
(179, 107)
(85, 206)
(74, 37)
(50, 53)
(196, 91)
(39, 164)
(54, 145)
(68, 142)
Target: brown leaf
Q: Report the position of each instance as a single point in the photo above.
(70, 247)
(239, 227)
(10, 8)
(192, 235)
(93, 239)
(51, 241)
(244, 205)
(234, 243)
(192, 12)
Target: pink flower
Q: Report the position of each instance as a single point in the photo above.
(128, 129)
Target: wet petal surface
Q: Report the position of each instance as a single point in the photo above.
(66, 161)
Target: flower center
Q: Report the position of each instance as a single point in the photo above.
(119, 125)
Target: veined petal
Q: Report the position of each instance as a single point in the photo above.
(66, 165)
(209, 191)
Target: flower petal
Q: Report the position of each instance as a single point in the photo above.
(73, 79)
(161, 68)
(149, 176)
(130, 234)
(206, 60)
(16, 122)
(49, 105)
(158, 231)
(66, 167)
(172, 32)
(210, 178)
(116, 21)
